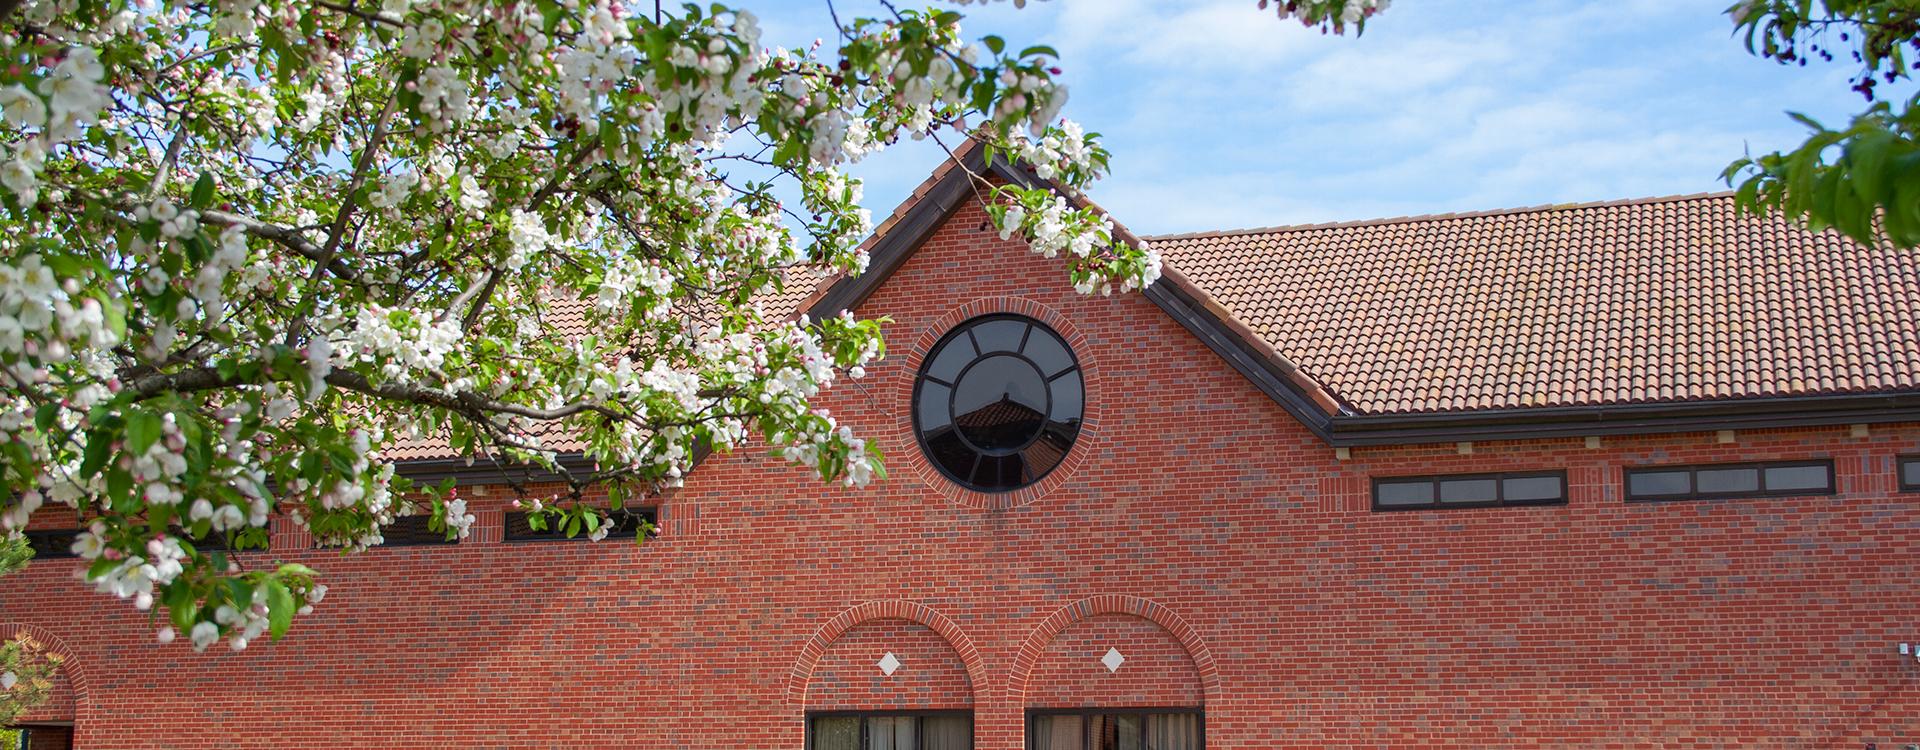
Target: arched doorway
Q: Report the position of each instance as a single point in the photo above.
(48, 725)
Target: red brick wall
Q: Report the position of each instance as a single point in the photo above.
(931, 674)
(1155, 670)
(1192, 503)
(59, 705)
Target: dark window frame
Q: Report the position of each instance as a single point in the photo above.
(61, 551)
(507, 535)
(1900, 472)
(427, 538)
(919, 731)
(1760, 468)
(1034, 713)
(966, 328)
(1499, 490)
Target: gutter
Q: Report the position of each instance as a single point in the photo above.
(1623, 419)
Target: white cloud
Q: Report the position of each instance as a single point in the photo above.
(1220, 116)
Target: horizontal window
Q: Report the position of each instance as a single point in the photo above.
(52, 544)
(411, 531)
(1772, 479)
(1470, 490)
(627, 524)
(248, 539)
(1909, 473)
(1116, 729)
(890, 730)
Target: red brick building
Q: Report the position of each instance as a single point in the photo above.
(1618, 475)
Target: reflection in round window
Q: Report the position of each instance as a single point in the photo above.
(997, 403)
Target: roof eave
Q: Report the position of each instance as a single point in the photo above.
(1623, 419)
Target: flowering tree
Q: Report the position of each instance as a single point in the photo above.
(1864, 179)
(250, 245)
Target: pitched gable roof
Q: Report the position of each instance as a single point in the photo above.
(1641, 316)
(1658, 300)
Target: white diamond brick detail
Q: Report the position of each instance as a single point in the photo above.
(1113, 660)
(888, 664)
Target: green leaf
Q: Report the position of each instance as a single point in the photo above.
(120, 491)
(994, 44)
(202, 191)
(143, 429)
(99, 445)
(43, 417)
(788, 151)
(1867, 160)
(279, 608)
(1039, 49)
(181, 608)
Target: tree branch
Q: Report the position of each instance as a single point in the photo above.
(286, 237)
(185, 381)
(465, 403)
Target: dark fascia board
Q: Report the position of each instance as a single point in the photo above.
(893, 249)
(482, 471)
(1625, 419)
(466, 472)
(1255, 367)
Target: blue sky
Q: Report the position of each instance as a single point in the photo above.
(1221, 117)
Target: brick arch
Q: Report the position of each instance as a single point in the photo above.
(908, 452)
(891, 609)
(1113, 604)
(69, 666)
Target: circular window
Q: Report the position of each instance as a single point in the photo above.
(997, 403)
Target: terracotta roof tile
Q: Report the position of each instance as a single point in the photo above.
(1666, 299)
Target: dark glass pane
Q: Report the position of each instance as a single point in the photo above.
(1910, 472)
(1059, 732)
(627, 523)
(1468, 490)
(946, 733)
(836, 733)
(1657, 483)
(412, 530)
(49, 545)
(1789, 478)
(1130, 732)
(1047, 352)
(951, 454)
(1047, 452)
(1000, 472)
(932, 409)
(214, 541)
(1173, 732)
(1722, 481)
(1000, 335)
(1403, 493)
(1531, 489)
(953, 355)
(1068, 398)
(1001, 403)
(1102, 733)
(891, 733)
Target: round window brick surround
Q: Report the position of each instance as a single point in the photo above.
(1027, 368)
